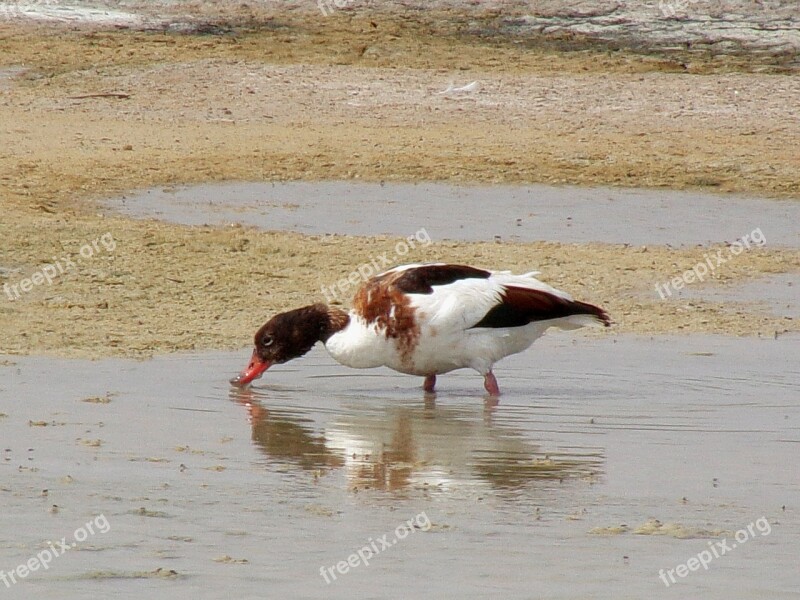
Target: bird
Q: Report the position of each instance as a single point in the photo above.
(425, 320)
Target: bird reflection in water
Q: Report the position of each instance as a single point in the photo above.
(283, 436)
(393, 448)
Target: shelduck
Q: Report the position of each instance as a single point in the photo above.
(426, 319)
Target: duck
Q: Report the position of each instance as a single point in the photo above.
(426, 320)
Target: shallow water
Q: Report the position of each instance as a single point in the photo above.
(316, 461)
(512, 213)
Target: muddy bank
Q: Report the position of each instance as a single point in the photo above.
(764, 35)
(166, 287)
(88, 114)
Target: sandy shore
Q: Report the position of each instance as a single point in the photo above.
(87, 113)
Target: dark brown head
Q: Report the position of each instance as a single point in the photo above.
(286, 336)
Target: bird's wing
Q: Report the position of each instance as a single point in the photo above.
(458, 297)
(453, 297)
(402, 296)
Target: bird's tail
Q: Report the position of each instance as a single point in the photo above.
(585, 315)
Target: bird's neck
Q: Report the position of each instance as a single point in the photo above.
(337, 320)
(330, 320)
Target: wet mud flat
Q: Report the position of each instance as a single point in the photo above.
(606, 461)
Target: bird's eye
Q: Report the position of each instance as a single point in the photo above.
(267, 340)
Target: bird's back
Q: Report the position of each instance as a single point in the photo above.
(434, 318)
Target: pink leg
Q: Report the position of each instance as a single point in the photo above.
(430, 383)
(490, 383)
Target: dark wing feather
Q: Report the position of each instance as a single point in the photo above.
(420, 280)
(520, 306)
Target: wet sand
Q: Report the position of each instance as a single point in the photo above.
(160, 286)
(248, 95)
(253, 492)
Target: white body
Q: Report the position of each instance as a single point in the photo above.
(447, 339)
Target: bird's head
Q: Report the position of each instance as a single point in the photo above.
(285, 336)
